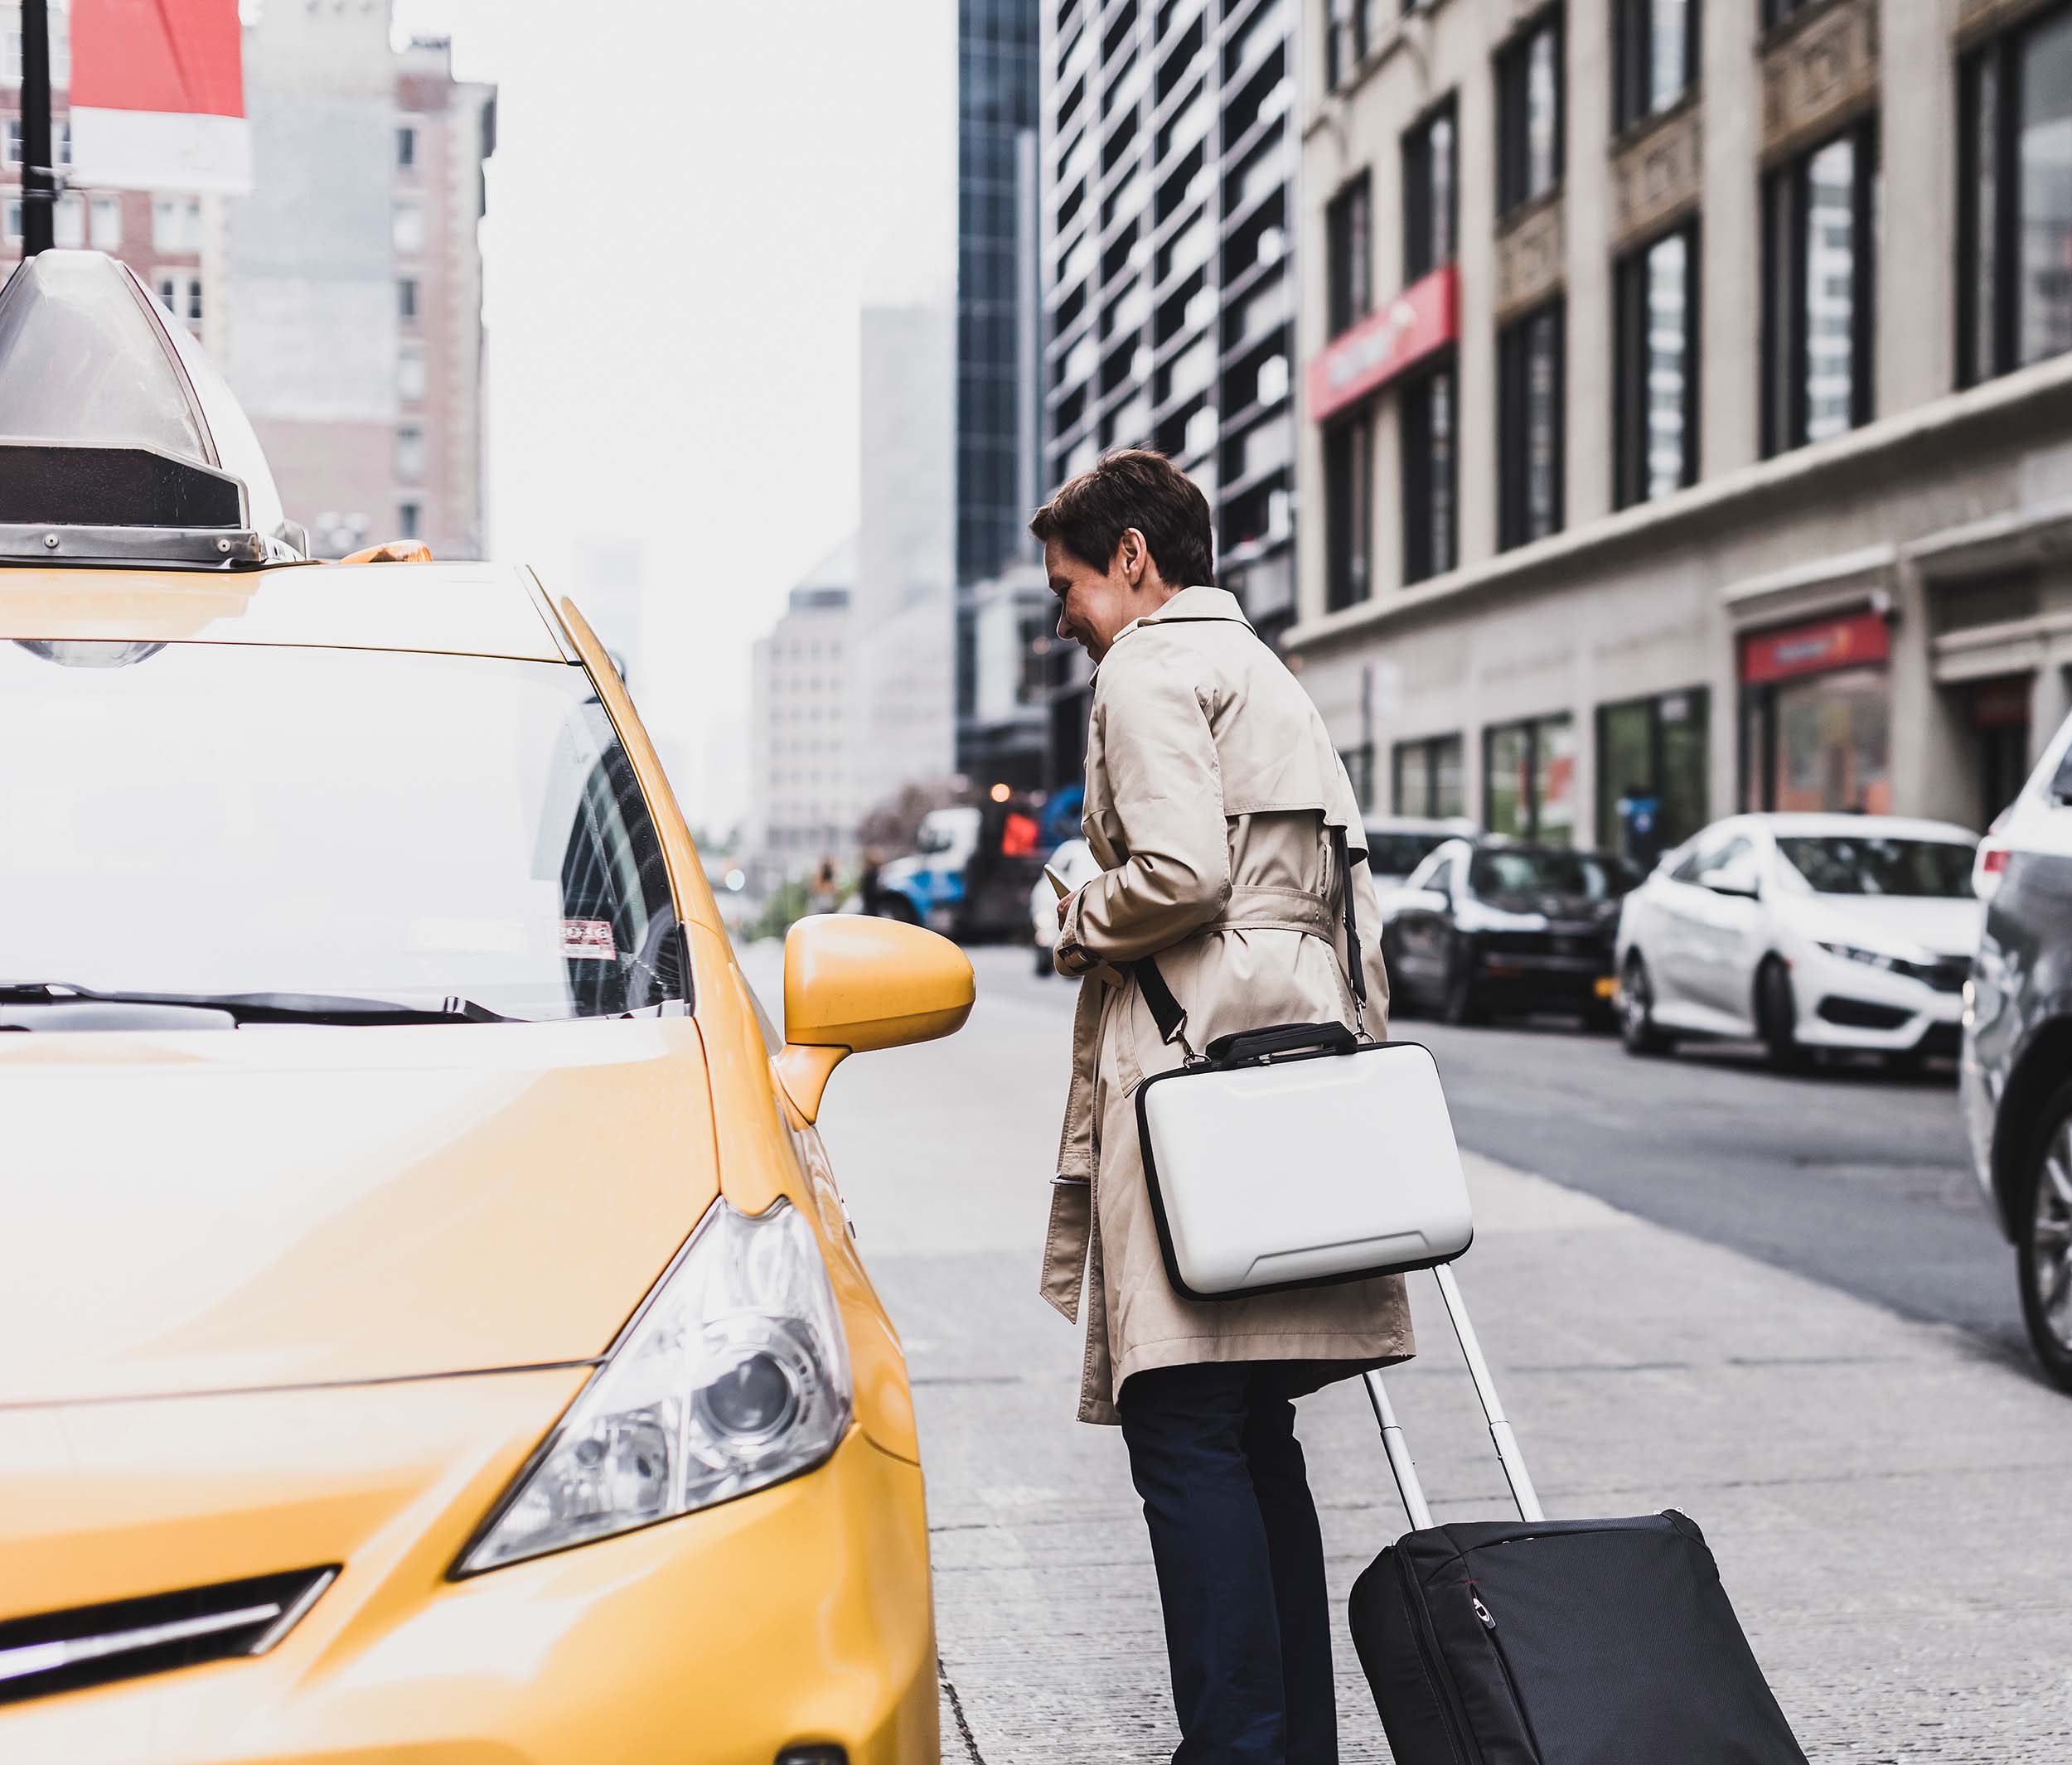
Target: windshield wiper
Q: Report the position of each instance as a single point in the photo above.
(262, 1007)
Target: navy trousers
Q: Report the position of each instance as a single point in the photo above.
(1212, 1453)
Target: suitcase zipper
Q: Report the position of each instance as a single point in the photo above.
(1488, 1621)
(1435, 1669)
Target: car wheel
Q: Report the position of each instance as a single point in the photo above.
(1462, 1004)
(2043, 1255)
(1777, 1017)
(1636, 1026)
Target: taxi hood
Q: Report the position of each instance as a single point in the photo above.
(244, 1209)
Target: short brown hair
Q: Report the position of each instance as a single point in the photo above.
(1134, 487)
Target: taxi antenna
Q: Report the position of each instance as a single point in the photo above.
(39, 177)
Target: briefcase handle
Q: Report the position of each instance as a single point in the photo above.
(1242, 1047)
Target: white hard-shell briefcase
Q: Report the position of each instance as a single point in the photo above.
(1298, 1155)
(1293, 1163)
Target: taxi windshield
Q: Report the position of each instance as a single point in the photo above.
(228, 819)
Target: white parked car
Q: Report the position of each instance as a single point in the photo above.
(1073, 861)
(1397, 845)
(1807, 932)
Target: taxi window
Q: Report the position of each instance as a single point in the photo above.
(235, 818)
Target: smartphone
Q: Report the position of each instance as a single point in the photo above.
(1059, 887)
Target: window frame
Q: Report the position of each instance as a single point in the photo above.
(1349, 254)
(1514, 360)
(1633, 43)
(1631, 362)
(1420, 562)
(1419, 212)
(1349, 493)
(1787, 195)
(2002, 52)
(1512, 72)
(1430, 748)
(1530, 800)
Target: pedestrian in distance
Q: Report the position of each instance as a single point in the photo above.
(1214, 799)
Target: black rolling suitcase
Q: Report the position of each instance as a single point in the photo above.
(1554, 1642)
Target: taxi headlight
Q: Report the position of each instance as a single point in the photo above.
(734, 1376)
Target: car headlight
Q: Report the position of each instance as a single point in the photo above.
(734, 1376)
(1873, 958)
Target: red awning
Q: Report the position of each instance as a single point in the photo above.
(158, 96)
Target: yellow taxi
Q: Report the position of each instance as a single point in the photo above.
(429, 1328)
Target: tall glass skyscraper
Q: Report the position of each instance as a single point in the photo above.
(996, 345)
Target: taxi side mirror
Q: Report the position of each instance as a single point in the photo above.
(853, 983)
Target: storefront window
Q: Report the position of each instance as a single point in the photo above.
(1428, 777)
(1653, 759)
(1529, 780)
(1833, 744)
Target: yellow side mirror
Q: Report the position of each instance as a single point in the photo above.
(853, 983)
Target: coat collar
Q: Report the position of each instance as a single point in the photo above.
(1203, 602)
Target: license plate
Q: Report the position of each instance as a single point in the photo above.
(1607, 986)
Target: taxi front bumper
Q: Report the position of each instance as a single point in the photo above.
(795, 1616)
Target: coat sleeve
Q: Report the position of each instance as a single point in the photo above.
(1165, 793)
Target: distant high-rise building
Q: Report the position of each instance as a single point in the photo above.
(999, 401)
(1168, 155)
(354, 278)
(802, 742)
(904, 654)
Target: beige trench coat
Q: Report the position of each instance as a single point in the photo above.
(1211, 784)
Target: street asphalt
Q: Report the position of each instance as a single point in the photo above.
(1773, 1302)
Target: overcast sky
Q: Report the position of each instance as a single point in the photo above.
(690, 200)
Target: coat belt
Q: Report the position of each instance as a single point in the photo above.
(1071, 1203)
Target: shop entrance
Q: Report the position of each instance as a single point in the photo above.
(1652, 768)
(1999, 714)
(1817, 718)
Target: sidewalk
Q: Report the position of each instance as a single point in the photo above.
(1891, 1514)
(1890, 1504)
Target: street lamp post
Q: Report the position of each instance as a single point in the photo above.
(39, 177)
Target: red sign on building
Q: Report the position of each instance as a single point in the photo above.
(158, 95)
(1424, 317)
(1859, 639)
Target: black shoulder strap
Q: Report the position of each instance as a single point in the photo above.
(1165, 1009)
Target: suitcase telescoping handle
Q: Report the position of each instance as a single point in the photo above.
(1401, 1463)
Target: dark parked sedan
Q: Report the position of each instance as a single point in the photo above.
(1480, 929)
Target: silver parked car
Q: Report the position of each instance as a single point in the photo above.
(2017, 1064)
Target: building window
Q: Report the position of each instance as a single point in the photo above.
(1349, 472)
(1653, 767)
(1349, 255)
(176, 224)
(13, 226)
(1429, 779)
(1429, 407)
(1818, 248)
(1530, 404)
(69, 224)
(1529, 113)
(13, 142)
(1430, 199)
(1528, 781)
(63, 131)
(1654, 57)
(406, 146)
(2015, 201)
(1654, 369)
(410, 518)
(408, 230)
(409, 454)
(409, 376)
(406, 297)
(104, 222)
(1349, 33)
(179, 291)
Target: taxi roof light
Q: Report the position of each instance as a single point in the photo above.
(120, 441)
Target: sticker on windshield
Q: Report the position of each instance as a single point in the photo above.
(587, 940)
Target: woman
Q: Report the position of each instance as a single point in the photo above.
(1213, 795)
